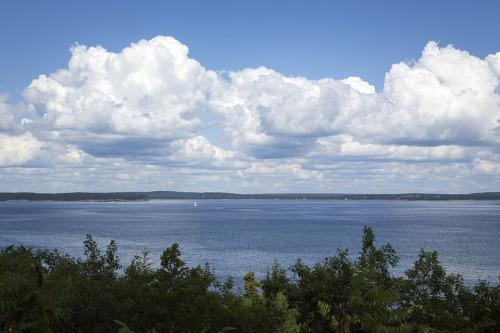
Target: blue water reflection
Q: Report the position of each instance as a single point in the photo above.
(235, 236)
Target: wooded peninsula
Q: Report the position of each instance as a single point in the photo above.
(174, 195)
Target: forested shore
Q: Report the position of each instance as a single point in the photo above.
(174, 195)
(74, 197)
(44, 290)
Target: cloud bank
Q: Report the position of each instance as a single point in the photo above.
(151, 90)
(138, 120)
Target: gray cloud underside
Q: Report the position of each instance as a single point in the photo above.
(108, 114)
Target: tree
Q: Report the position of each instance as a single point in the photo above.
(276, 281)
(173, 268)
(432, 295)
(380, 259)
(251, 284)
(94, 301)
(482, 307)
(339, 293)
(377, 307)
(28, 299)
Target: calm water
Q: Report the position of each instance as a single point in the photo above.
(236, 236)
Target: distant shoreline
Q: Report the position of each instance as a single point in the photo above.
(173, 195)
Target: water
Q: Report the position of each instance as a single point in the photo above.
(235, 236)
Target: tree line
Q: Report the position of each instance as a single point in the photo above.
(46, 291)
(173, 195)
(74, 196)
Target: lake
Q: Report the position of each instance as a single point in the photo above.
(235, 236)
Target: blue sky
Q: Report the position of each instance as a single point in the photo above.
(319, 39)
(266, 105)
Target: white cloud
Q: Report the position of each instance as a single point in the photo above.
(199, 149)
(17, 150)
(151, 89)
(272, 169)
(73, 155)
(135, 120)
(359, 85)
(263, 108)
(8, 113)
(447, 97)
(345, 146)
(484, 167)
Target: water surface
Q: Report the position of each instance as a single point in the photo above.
(235, 236)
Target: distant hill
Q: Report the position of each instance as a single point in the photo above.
(173, 195)
(321, 196)
(76, 196)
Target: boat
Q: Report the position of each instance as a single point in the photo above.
(195, 204)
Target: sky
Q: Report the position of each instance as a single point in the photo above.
(250, 96)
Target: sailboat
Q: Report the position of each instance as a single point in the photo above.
(195, 204)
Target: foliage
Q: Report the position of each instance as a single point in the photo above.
(48, 291)
(323, 294)
(251, 285)
(441, 302)
(76, 196)
(29, 301)
(377, 307)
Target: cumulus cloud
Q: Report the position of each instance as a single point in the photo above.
(152, 93)
(448, 96)
(8, 114)
(17, 146)
(344, 146)
(17, 150)
(273, 169)
(151, 89)
(484, 167)
(119, 120)
(199, 150)
(263, 108)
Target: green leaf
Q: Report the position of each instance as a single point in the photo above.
(124, 328)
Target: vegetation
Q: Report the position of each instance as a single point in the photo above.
(172, 195)
(46, 291)
(77, 196)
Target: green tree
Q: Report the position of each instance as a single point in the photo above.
(433, 296)
(173, 268)
(258, 313)
(29, 300)
(380, 260)
(94, 301)
(251, 284)
(328, 295)
(377, 307)
(482, 307)
(136, 293)
(338, 294)
(182, 299)
(276, 281)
